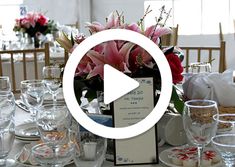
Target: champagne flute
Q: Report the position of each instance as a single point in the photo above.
(5, 84)
(199, 124)
(52, 80)
(23, 87)
(34, 96)
(7, 127)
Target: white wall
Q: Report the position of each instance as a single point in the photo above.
(63, 11)
(67, 12)
(134, 10)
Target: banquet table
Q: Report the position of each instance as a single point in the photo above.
(21, 116)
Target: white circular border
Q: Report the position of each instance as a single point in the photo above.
(123, 132)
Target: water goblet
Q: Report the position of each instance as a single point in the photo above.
(199, 123)
(224, 141)
(23, 88)
(34, 96)
(52, 79)
(7, 127)
(53, 123)
(5, 84)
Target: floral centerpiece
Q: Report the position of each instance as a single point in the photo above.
(125, 56)
(34, 24)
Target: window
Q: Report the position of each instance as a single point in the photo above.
(9, 11)
(197, 16)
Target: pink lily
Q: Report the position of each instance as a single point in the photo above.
(113, 21)
(133, 27)
(95, 27)
(85, 66)
(112, 56)
(155, 32)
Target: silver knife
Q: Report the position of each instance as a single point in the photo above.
(21, 105)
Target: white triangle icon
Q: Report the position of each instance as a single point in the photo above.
(116, 84)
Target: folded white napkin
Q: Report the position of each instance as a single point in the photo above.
(214, 86)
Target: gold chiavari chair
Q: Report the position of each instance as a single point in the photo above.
(24, 60)
(75, 25)
(66, 57)
(210, 52)
(221, 35)
(170, 39)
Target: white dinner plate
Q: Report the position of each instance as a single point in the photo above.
(164, 158)
(26, 140)
(27, 131)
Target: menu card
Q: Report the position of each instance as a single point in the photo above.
(129, 110)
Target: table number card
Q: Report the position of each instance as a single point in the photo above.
(128, 110)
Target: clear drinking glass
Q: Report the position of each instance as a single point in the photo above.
(91, 150)
(53, 123)
(224, 141)
(34, 96)
(52, 79)
(7, 127)
(199, 123)
(47, 156)
(23, 88)
(5, 84)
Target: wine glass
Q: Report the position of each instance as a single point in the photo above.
(7, 127)
(34, 96)
(52, 79)
(23, 88)
(5, 84)
(53, 122)
(199, 123)
(224, 141)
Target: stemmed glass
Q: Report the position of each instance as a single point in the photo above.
(52, 79)
(23, 87)
(5, 84)
(7, 127)
(199, 124)
(53, 122)
(34, 96)
(224, 141)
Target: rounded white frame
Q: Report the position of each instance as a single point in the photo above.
(123, 132)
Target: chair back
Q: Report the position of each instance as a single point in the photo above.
(210, 53)
(170, 39)
(221, 35)
(23, 64)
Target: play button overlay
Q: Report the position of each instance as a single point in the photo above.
(117, 132)
(116, 84)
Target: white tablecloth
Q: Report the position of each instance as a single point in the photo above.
(21, 116)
